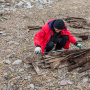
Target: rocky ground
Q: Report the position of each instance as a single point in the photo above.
(16, 43)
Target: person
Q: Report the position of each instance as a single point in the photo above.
(53, 32)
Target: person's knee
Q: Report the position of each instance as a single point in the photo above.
(51, 44)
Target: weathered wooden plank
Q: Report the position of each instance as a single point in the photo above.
(34, 27)
(56, 63)
(78, 64)
(61, 65)
(28, 60)
(36, 68)
(31, 60)
(84, 69)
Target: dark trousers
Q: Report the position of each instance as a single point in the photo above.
(59, 45)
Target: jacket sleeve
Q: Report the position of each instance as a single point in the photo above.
(71, 38)
(39, 37)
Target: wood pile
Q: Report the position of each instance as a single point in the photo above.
(70, 59)
(83, 36)
(76, 22)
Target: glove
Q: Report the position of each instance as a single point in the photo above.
(79, 46)
(37, 50)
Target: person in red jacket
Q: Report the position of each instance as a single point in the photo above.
(53, 32)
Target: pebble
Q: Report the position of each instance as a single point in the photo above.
(1, 32)
(28, 77)
(49, 80)
(27, 66)
(11, 69)
(5, 74)
(7, 61)
(69, 82)
(85, 80)
(21, 70)
(32, 86)
(63, 82)
(22, 75)
(17, 62)
(28, 5)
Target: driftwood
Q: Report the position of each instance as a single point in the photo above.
(84, 69)
(30, 60)
(79, 64)
(34, 27)
(68, 58)
(55, 63)
(77, 57)
(83, 36)
(76, 22)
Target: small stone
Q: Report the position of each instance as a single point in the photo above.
(49, 80)
(5, 74)
(27, 66)
(1, 32)
(28, 77)
(28, 5)
(69, 82)
(7, 61)
(89, 81)
(85, 80)
(22, 75)
(63, 82)
(32, 86)
(17, 62)
(21, 70)
(11, 69)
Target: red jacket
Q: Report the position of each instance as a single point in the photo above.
(42, 37)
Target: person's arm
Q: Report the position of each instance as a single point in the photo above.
(38, 40)
(73, 40)
(39, 37)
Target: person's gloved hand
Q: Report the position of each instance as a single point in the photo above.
(79, 46)
(37, 50)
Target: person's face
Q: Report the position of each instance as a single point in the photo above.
(57, 30)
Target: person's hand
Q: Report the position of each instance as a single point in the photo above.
(79, 46)
(37, 50)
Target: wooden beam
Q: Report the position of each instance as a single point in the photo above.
(36, 68)
(85, 68)
(56, 63)
(31, 60)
